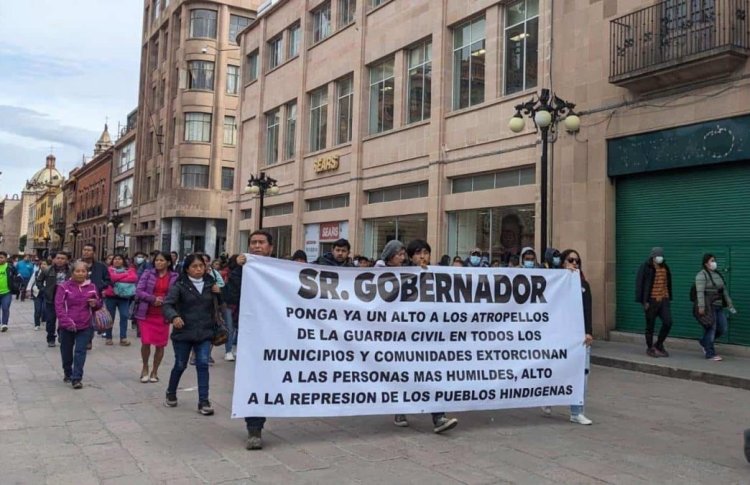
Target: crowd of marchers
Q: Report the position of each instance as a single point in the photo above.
(163, 297)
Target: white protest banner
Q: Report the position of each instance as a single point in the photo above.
(329, 341)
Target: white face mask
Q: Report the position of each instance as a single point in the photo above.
(712, 265)
(659, 259)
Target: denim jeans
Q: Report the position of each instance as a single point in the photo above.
(123, 306)
(39, 308)
(182, 356)
(73, 352)
(714, 332)
(229, 322)
(575, 410)
(5, 301)
(51, 322)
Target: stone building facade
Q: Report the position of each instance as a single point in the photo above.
(10, 223)
(123, 175)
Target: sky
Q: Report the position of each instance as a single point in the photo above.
(66, 67)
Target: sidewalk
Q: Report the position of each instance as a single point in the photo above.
(685, 362)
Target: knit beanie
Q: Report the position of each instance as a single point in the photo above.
(657, 251)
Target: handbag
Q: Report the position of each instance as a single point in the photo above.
(101, 320)
(221, 333)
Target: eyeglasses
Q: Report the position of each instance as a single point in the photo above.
(573, 260)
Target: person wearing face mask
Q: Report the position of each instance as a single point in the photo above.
(552, 258)
(711, 298)
(528, 258)
(653, 290)
(140, 263)
(475, 259)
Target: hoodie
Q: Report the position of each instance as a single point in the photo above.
(72, 304)
(550, 253)
(523, 252)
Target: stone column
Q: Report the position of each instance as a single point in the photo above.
(176, 234)
(210, 243)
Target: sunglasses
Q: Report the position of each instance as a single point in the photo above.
(573, 260)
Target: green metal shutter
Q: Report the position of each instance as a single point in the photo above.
(688, 213)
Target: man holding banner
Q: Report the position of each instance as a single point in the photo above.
(330, 341)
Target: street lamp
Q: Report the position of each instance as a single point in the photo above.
(59, 226)
(75, 232)
(46, 239)
(545, 111)
(115, 221)
(260, 186)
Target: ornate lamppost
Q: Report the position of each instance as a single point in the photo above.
(260, 186)
(545, 110)
(75, 233)
(115, 222)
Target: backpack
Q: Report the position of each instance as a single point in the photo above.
(124, 290)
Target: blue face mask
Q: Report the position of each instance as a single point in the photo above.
(528, 264)
(474, 260)
(556, 261)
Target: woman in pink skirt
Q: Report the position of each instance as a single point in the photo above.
(152, 289)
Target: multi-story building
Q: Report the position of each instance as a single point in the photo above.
(43, 232)
(187, 123)
(92, 197)
(389, 119)
(10, 223)
(45, 177)
(123, 171)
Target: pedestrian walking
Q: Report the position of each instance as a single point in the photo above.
(711, 297)
(75, 301)
(98, 273)
(191, 307)
(571, 261)
(653, 290)
(25, 269)
(141, 263)
(151, 292)
(55, 275)
(34, 291)
(230, 293)
(118, 296)
(8, 287)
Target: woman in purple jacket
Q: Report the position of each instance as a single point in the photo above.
(154, 329)
(75, 301)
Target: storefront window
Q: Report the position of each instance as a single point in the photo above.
(499, 231)
(404, 228)
(282, 241)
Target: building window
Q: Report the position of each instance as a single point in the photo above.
(252, 66)
(500, 232)
(344, 101)
(201, 75)
(321, 22)
(291, 130)
(381, 96)
(230, 130)
(233, 79)
(237, 24)
(203, 23)
(325, 203)
(377, 3)
(124, 190)
(521, 44)
(278, 209)
(272, 136)
(227, 178)
(275, 52)
(403, 228)
(156, 11)
(194, 176)
(401, 192)
(282, 241)
(318, 118)
(347, 9)
(468, 64)
(198, 127)
(127, 158)
(420, 82)
(496, 180)
(246, 214)
(293, 41)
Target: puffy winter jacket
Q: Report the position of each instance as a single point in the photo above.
(197, 310)
(72, 304)
(144, 292)
(124, 275)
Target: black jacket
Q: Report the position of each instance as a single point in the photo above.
(644, 281)
(99, 275)
(233, 288)
(197, 310)
(586, 293)
(47, 283)
(328, 260)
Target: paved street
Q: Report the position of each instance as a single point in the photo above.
(648, 429)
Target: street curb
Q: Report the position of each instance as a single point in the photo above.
(673, 372)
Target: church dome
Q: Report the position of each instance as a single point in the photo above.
(48, 175)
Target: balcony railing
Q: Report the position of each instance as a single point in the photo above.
(676, 32)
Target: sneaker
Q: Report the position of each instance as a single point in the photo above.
(717, 358)
(400, 421)
(77, 385)
(211, 360)
(51, 344)
(37, 328)
(444, 424)
(66, 379)
(124, 342)
(205, 408)
(229, 357)
(747, 445)
(547, 410)
(661, 352)
(580, 419)
(171, 401)
(192, 360)
(3, 328)
(254, 440)
(652, 352)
